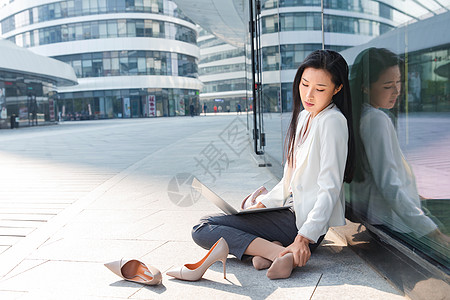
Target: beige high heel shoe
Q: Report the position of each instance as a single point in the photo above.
(135, 271)
(193, 272)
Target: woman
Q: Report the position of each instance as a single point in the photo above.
(319, 159)
(384, 191)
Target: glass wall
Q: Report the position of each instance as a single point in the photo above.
(105, 29)
(313, 21)
(30, 100)
(154, 21)
(302, 28)
(127, 103)
(74, 8)
(224, 85)
(222, 55)
(123, 63)
(210, 43)
(401, 107)
(402, 121)
(234, 105)
(222, 69)
(292, 55)
(367, 7)
(227, 92)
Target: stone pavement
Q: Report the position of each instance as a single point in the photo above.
(79, 194)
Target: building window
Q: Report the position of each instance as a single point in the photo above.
(110, 29)
(124, 63)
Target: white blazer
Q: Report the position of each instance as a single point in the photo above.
(317, 180)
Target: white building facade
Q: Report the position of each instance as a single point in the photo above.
(290, 30)
(222, 70)
(132, 58)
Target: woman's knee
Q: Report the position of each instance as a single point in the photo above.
(200, 232)
(197, 231)
(207, 231)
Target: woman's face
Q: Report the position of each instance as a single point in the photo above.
(316, 90)
(384, 92)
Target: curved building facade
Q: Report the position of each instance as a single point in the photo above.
(222, 70)
(132, 58)
(290, 30)
(28, 94)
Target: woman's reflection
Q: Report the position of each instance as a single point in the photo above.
(384, 191)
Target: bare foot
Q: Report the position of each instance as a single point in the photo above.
(281, 267)
(261, 263)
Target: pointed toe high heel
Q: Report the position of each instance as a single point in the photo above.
(193, 272)
(135, 271)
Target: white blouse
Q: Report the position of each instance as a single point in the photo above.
(316, 181)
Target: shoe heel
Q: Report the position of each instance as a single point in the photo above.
(224, 262)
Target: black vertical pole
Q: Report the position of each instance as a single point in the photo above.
(252, 34)
(260, 66)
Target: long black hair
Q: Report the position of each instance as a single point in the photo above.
(335, 64)
(369, 65)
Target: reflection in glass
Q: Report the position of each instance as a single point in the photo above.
(384, 190)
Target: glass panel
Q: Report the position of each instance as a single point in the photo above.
(124, 65)
(115, 66)
(107, 66)
(86, 31)
(141, 65)
(102, 6)
(95, 34)
(76, 65)
(148, 28)
(132, 65)
(401, 112)
(93, 6)
(78, 32)
(112, 29)
(85, 7)
(102, 28)
(139, 28)
(122, 28)
(131, 28)
(87, 68)
(139, 4)
(97, 68)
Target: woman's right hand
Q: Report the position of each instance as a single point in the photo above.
(257, 205)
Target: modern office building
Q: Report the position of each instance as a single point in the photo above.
(132, 58)
(222, 70)
(27, 90)
(287, 32)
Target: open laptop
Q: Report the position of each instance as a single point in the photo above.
(223, 205)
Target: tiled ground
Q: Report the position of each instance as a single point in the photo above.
(77, 195)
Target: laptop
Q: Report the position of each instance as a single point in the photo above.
(224, 206)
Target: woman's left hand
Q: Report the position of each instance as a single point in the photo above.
(257, 205)
(300, 250)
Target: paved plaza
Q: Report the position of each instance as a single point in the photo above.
(76, 195)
